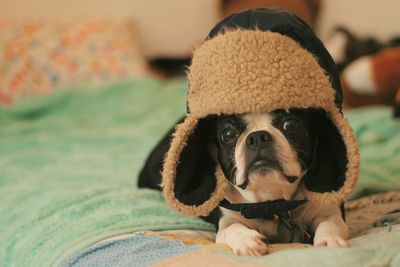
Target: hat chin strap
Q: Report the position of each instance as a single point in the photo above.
(259, 210)
(263, 210)
(270, 210)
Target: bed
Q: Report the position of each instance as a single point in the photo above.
(68, 168)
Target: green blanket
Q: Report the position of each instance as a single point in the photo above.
(69, 163)
(378, 135)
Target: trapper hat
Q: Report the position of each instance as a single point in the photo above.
(257, 61)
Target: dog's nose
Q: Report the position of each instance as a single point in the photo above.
(258, 140)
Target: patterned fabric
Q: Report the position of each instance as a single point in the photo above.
(40, 56)
(161, 249)
(141, 250)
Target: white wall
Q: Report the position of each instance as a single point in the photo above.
(365, 17)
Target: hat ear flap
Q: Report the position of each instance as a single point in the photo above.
(195, 179)
(327, 171)
(190, 183)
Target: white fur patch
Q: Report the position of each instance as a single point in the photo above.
(243, 241)
(329, 234)
(276, 186)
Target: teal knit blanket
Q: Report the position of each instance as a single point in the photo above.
(69, 164)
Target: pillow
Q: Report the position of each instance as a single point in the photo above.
(40, 56)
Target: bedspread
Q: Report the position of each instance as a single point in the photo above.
(69, 164)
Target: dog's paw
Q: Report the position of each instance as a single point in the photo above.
(327, 236)
(248, 243)
(330, 241)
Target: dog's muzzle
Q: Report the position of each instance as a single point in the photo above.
(259, 140)
(261, 156)
(260, 153)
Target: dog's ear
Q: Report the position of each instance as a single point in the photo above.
(190, 182)
(328, 167)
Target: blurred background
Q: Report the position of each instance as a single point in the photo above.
(89, 87)
(162, 35)
(170, 28)
(165, 32)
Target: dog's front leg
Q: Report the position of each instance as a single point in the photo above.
(330, 231)
(242, 240)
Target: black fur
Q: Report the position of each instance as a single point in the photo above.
(227, 150)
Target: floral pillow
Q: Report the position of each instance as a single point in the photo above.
(40, 56)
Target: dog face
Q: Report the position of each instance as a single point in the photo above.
(265, 155)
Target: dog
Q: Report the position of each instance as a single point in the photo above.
(264, 151)
(265, 157)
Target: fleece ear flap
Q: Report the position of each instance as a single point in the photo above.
(190, 183)
(327, 171)
(195, 179)
(150, 175)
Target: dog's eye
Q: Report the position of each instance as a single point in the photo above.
(291, 125)
(229, 134)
